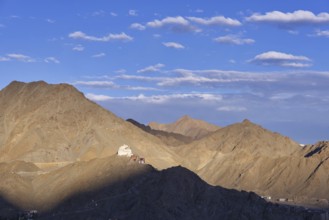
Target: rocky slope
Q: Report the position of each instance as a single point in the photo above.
(44, 123)
(187, 126)
(169, 138)
(249, 157)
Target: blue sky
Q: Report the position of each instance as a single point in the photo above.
(220, 61)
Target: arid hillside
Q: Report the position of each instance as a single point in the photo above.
(44, 123)
(248, 157)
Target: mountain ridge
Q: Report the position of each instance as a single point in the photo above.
(187, 126)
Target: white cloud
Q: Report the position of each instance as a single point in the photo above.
(112, 85)
(322, 33)
(178, 24)
(154, 68)
(51, 60)
(99, 55)
(173, 45)
(140, 78)
(159, 99)
(137, 26)
(78, 47)
(232, 109)
(300, 17)
(96, 84)
(199, 10)
(20, 57)
(281, 59)
(140, 88)
(113, 14)
(217, 20)
(202, 78)
(97, 98)
(109, 37)
(233, 39)
(282, 96)
(192, 79)
(179, 20)
(132, 12)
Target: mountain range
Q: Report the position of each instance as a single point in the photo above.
(58, 156)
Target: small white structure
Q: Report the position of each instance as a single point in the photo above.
(125, 150)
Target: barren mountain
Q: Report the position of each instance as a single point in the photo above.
(169, 138)
(45, 123)
(58, 154)
(249, 157)
(187, 126)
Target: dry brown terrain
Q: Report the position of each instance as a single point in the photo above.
(57, 148)
(249, 157)
(41, 123)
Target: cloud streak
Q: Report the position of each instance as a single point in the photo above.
(153, 68)
(17, 57)
(112, 85)
(137, 26)
(232, 109)
(233, 39)
(274, 58)
(322, 33)
(159, 99)
(217, 20)
(176, 24)
(78, 48)
(174, 45)
(99, 55)
(110, 37)
(52, 60)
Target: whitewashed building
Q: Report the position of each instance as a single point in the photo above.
(125, 150)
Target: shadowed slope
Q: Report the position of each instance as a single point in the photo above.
(169, 138)
(140, 192)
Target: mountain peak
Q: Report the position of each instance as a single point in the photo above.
(250, 137)
(21, 84)
(187, 126)
(47, 123)
(246, 121)
(185, 117)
